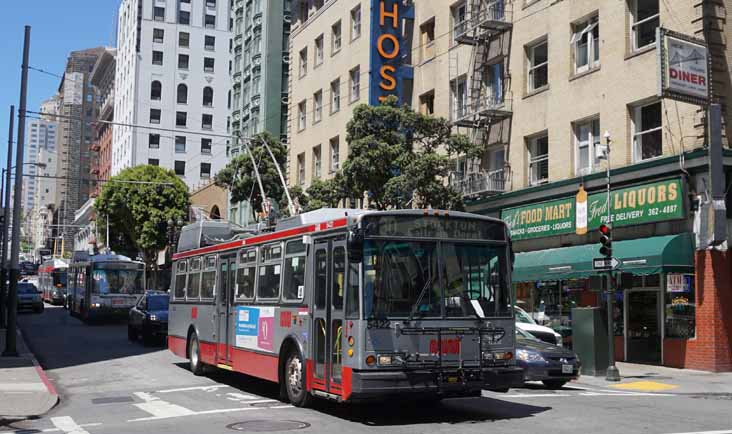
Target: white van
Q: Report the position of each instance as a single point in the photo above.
(525, 322)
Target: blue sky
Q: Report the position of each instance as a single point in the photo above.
(57, 27)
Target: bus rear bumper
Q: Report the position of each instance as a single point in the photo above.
(374, 384)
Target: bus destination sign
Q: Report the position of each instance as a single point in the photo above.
(433, 227)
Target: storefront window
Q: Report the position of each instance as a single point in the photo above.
(680, 306)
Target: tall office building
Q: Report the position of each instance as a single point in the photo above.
(102, 78)
(260, 75)
(42, 135)
(78, 109)
(172, 76)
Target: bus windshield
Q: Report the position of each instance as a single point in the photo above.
(423, 279)
(116, 281)
(59, 278)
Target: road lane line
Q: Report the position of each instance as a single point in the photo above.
(206, 412)
(146, 396)
(527, 395)
(184, 389)
(159, 408)
(67, 425)
(729, 431)
(239, 397)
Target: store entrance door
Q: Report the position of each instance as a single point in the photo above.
(643, 331)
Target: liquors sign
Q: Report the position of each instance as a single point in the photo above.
(684, 67)
(646, 203)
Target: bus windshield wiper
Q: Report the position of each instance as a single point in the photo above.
(415, 307)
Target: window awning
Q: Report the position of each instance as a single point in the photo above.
(643, 256)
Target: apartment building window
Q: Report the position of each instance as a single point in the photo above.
(210, 21)
(319, 50)
(495, 81)
(153, 141)
(335, 156)
(356, 22)
(207, 122)
(184, 18)
(183, 61)
(355, 83)
(206, 146)
(158, 13)
(586, 45)
(208, 96)
(211, 4)
(587, 138)
(184, 39)
(427, 40)
(427, 103)
(317, 106)
(301, 168)
(303, 62)
(538, 55)
(181, 119)
(317, 162)
(301, 115)
(645, 21)
(459, 90)
(208, 64)
(153, 161)
(158, 36)
(180, 168)
(336, 37)
(180, 144)
(157, 58)
(156, 90)
(182, 94)
(459, 19)
(209, 43)
(538, 159)
(335, 96)
(205, 170)
(647, 133)
(154, 116)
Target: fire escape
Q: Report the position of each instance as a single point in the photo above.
(482, 102)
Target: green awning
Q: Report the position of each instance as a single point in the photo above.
(672, 253)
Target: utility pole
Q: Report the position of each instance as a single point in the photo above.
(11, 331)
(612, 373)
(5, 197)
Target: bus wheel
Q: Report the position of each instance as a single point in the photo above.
(195, 356)
(295, 380)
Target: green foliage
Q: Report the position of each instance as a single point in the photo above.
(399, 156)
(239, 177)
(138, 213)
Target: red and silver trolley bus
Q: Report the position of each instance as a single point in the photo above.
(350, 304)
(52, 280)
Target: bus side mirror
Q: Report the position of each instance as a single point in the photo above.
(355, 245)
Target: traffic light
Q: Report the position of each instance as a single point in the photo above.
(606, 241)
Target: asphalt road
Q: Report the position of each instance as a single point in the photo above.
(109, 385)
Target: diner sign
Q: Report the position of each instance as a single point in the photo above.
(646, 203)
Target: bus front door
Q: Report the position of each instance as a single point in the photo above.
(329, 284)
(225, 308)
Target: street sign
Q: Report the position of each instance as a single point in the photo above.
(605, 263)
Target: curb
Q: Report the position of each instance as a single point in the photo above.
(39, 370)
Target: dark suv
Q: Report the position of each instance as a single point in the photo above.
(149, 317)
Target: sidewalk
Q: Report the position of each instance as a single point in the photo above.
(24, 388)
(660, 379)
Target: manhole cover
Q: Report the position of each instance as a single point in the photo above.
(268, 425)
(112, 400)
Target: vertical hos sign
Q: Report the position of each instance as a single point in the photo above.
(389, 52)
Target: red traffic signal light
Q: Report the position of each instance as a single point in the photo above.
(606, 241)
(605, 229)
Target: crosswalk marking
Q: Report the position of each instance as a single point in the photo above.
(239, 396)
(185, 389)
(159, 408)
(67, 425)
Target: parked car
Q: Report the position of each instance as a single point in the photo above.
(525, 322)
(29, 297)
(149, 317)
(552, 365)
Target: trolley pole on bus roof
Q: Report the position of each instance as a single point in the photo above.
(11, 331)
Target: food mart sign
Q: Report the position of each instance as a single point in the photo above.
(646, 203)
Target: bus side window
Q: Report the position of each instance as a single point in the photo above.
(194, 279)
(180, 280)
(270, 269)
(246, 271)
(352, 301)
(208, 278)
(339, 276)
(321, 277)
(293, 287)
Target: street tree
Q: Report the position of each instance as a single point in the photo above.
(401, 158)
(138, 211)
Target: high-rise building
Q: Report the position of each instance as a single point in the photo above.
(260, 75)
(544, 86)
(42, 135)
(78, 109)
(171, 83)
(102, 78)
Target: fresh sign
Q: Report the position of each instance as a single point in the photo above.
(647, 203)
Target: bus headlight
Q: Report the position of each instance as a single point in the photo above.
(95, 305)
(385, 360)
(501, 355)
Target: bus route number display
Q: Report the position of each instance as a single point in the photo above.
(433, 227)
